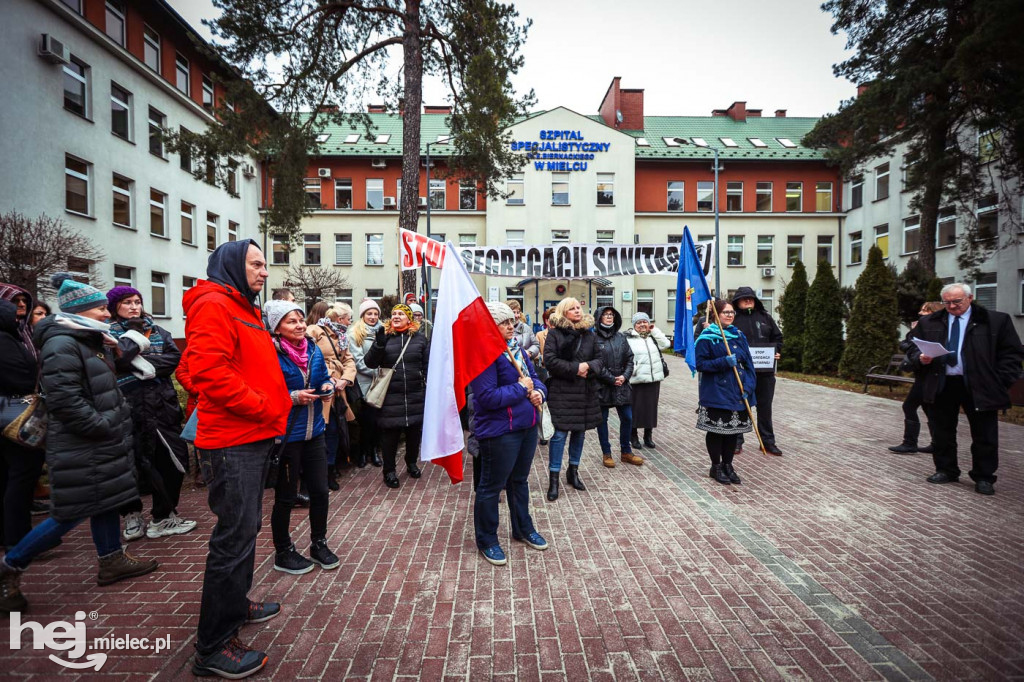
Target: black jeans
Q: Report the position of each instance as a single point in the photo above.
(913, 401)
(505, 463)
(720, 447)
(389, 445)
(305, 459)
(944, 415)
(369, 437)
(234, 482)
(764, 392)
(19, 470)
(164, 480)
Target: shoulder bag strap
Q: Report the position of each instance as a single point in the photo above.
(402, 354)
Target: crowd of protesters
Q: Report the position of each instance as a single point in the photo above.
(287, 401)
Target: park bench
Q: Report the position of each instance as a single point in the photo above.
(890, 374)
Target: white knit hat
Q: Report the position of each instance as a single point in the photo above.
(368, 304)
(277, 310)
(416, 308)
(500, 312)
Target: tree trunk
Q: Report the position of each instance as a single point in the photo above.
(412, 104)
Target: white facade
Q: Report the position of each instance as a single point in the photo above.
(40, 136)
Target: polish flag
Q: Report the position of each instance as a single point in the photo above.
(464, 343)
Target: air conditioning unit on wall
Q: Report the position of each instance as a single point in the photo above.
(248, 171)
(422, 203)
(53, 50)
(389, 202)
(379, 163)
(767, 272)
(324, 172)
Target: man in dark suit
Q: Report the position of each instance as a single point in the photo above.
(983, 360)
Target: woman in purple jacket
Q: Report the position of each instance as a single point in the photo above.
(506, 397)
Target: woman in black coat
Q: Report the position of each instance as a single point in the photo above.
(88, 441)
(573, 363)
(402, 410)
(614, 389)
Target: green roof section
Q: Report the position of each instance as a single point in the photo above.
(711, 129)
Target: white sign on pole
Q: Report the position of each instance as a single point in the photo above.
(492, 294)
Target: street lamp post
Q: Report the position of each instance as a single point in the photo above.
(426, 268)
(718, 243)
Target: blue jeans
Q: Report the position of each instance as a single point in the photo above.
(625, 428)
(557, 445)
(234, 482)
(106, 535)
(505, 463)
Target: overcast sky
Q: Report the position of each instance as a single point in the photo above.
(689, 57)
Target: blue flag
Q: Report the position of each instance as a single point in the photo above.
(691, 291)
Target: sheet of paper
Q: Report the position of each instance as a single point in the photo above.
(930, 348)
(763, 357)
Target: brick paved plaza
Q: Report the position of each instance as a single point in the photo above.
(834, 561)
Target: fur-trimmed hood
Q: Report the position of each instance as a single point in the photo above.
(562, 322)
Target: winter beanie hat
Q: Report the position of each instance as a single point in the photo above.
(500, 312)
(75, 297)
(404, 308)
(277, 310)
(368, 305)
(118, 294)
(415, 308)
(641, 317)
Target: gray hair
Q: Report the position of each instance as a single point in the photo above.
(956, 285)
(342, 309)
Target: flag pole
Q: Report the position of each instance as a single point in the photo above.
(736, 372)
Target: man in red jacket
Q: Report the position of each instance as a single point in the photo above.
(243, 407)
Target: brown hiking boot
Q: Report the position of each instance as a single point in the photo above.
(121, 565)
(630, 458)
(11, 598)
(608, 461)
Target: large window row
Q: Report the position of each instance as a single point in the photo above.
(377, 200)
(158, 301)
(734, 196)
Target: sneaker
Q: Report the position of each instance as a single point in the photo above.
(40, 507)
(495, 555)
(11, 598)
(234, 661)
(260, 611)
(134, 527)
(290, 561)
(172, 525)
(121, 565)
(535, 540)
(319, 554)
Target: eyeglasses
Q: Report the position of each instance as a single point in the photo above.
(727, 312)
(954, 301)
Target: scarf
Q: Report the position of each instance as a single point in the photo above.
(141, 369)
(79, 323)
(714, 334)
(515, 351)
(338, 329)
(298, 355)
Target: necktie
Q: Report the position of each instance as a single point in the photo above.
(953, 341)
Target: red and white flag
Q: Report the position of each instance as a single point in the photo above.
(464, 343)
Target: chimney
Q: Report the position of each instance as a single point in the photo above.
(738, 112)
(780, 113)
(611, 103)
(718, 112)
(327, 109)
(437, 109)
(753, 113)
(862, 88)
(376, 109)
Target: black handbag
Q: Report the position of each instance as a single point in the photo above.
(664, 366)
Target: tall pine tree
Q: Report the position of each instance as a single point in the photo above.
(792, 309)
(873, 331)
(823, 323)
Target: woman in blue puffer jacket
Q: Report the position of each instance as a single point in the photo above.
(721, 412)
(505, 400)
(304, 454)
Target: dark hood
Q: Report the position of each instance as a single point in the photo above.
(746, 292)
(8, 318)
(227, 266)
(616, 325)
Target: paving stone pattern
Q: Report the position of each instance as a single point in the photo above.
(836, 561)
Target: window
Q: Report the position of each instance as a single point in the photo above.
(856, 191)
(344, 296)
(794, 249)
(76, 90)
(856, 248)
(74, 5)
(115, 21)
(764, 197)
(882, 239)
(77, 174)
(728, 142)
(794, 197)
(757, 142)
(437, 195)
(374, 293)
(157, 210)
(124, 276)
(323, 137)
(375, 249)
(467, 241)
(185, 155)
(786, 142)
(207, 92)
(231, 184)
(988, 217)
(768, 300)
(645, 302)
(988, 145)
(605, 236)
(911, 235)
(670, 301)
(675, 195)
(398, 192)
(120, 111)
(514, 237)
(985, 290)
(232, 231)
(122, 196)
(181, 73)
(560, 236)
(734, 196)
(151, 48)
(343, 249)
(905, 171)
(670, 142)
(212, 223)
(375, 195)
(823, 197)
(705, 196)
(311, 249)
(642, 142)
(352, 138)
(158, 295)
(559, 189)
(606, 189)
(1020, 292)
(187, 283)
(699, 141)
(312, 188)
(157, 121)
(605, 296)
(882, 182)
(280, 251)
(343, 194)
(825, 249)
(467, 195)
(765, 249)
(188, 221)
(945, 228)
(383, 138)
(514, 189)
(734, 251)
(437, 237)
